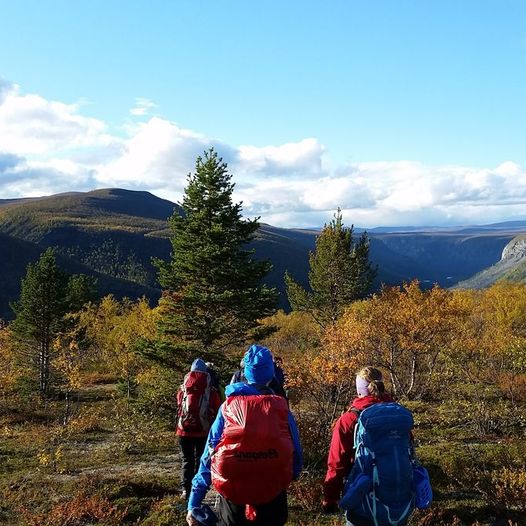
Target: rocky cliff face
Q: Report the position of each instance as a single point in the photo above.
(515, 249)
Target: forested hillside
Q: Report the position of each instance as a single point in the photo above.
(115, 233)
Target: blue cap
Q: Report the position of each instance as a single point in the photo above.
(198, 365)
(259, 365)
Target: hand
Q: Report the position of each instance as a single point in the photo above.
(190, 520)
(329, 507)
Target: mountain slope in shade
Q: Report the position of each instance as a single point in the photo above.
(114, 232)
(442, 257)
(16, 254)
(511, 266)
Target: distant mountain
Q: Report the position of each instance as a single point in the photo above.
(443, 257)
(506, 226)
(401, 229)
(108, 209)
(115, 233)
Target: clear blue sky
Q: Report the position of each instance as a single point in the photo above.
(433, 81)
(440, 83)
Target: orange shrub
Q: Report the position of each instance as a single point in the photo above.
(81, 509)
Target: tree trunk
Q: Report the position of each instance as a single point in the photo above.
(412, 377)
(394, 378)
(67, 412)
(43, 366)
(41, 380)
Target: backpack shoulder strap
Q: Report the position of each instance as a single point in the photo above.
(357, 412)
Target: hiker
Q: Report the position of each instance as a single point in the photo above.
(214, 378)
(373, 438)
(279, 375)
(197, 403)
(276, 383)
(239, 375)
(253, 451)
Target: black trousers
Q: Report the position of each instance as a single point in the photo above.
(273, 513)
(191, 448)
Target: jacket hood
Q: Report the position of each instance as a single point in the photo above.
(240, 389)
(198, 365)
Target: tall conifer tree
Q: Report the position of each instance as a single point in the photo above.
(47, 294)
(340, 273)
(213, 292)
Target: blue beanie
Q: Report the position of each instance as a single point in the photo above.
(259, 365)
(198, 365)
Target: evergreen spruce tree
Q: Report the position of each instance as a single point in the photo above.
(213, 292)
(340, 273)
(46, 295)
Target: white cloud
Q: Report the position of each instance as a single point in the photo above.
(159, 154)
(394, 193)
(299, 158)
(30, 124)
(48, 147)
(142, 107)
(37, 178)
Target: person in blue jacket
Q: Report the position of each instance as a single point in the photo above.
(259, 372)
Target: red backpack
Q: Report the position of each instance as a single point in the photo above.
(252, 463)
(194, 413)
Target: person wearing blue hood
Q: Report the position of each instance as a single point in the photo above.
(253, 452)
(197, 405)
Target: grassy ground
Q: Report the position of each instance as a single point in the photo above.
(113, 465)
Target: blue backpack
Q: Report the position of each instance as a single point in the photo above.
(381, 485)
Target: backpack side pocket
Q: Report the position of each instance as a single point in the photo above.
(355, 491)
(423, 491)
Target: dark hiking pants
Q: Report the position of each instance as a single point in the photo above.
(191, 448)
(274, 513)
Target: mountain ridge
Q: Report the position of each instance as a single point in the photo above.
(115, 233)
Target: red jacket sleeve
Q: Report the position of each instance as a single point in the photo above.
(341, 456)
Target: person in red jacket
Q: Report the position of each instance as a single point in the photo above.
(371, 390)
(197, 402)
